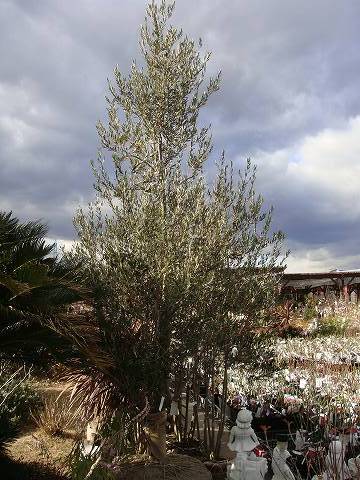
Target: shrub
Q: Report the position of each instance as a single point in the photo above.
(331, 325)
(55, 417)
(17, 399)
(81, 465)
(310, 311)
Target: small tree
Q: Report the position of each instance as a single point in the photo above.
(169, 255)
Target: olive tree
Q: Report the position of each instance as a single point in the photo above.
(178, 263)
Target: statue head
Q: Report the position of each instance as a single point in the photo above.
(244, 418)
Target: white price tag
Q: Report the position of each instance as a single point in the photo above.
(161, 403)
(303, 383)
(318, 382)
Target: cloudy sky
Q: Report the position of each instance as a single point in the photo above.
(290, 99)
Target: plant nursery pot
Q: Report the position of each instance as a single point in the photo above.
(156, 434)
(175, 467)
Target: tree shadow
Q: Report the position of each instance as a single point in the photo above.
(14, 470)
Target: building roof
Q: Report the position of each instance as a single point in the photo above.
(316, 279)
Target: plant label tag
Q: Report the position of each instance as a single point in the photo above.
(174, 409)
(161, 403)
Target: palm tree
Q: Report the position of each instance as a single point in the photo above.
(35, 288)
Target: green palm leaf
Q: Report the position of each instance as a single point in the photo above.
(35, 287)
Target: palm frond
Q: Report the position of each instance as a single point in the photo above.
(34, 288)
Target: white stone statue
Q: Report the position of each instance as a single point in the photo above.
(250, 468)
(242, 440)
(336, 468)
(242, 437)
(279, 466)
(354, 467)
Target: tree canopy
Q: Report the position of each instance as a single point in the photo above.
(180, 266)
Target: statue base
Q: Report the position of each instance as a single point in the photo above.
(245, 467)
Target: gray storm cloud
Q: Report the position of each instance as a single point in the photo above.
(289, 99)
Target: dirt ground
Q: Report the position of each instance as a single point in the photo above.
(36, 456)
